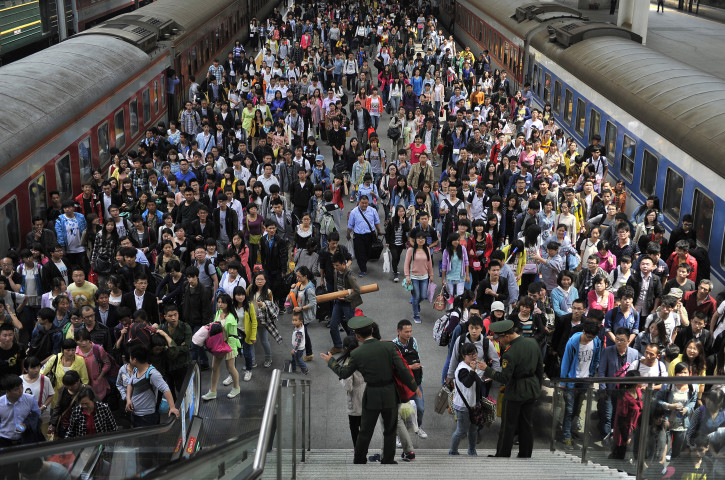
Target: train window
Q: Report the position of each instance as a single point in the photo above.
(703, 209)
(9, 225)
(538, 90)
(595, 124)
(84, 159)
(133, 116)
(38, 200)
(63, 178)
(506, 54)
(480, 31)
(119, 128)
(534, 78)
(103, 144)
(629, 151)
(155, 96)
(146, 99)
(581, 116)
(648, 178)
(556, 105)
(568, 105)
(674, 184)
(547, 87)
(193, 60)
(610, 141)
(162, 90)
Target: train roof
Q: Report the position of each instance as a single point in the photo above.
(46, 90)
(187, 14)
(682, 104)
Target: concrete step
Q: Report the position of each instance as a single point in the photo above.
(337, 464)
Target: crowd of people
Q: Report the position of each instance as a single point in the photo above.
(232, 215)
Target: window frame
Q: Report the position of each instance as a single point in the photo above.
(580, 117)
(122, 112)
(81, 168)
(697, 209)
(594, 124)
(59, 180)
(13, 225)
(648, 156)
(43, 201)
(155, 97)
(556, 103)
(671, 213)
(628, 171)
(547, 90)
(610, 143)
(568, 106)
(105, 124)
(133, 108)
(146, 105)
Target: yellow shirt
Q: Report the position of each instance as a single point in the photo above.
(83, 295)
(56, 364)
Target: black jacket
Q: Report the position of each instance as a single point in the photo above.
(484, 301)
(274, 256)
(300, 194)
(150, 305)
(231, 222)
(367, 121)
(653, 293)
(47, 240)
(196, 308)
(111, 320)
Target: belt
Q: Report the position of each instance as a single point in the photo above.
(381, 384)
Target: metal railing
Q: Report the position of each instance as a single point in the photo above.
(231, 460)
(644, 422)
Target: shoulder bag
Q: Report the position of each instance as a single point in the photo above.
(482, 414)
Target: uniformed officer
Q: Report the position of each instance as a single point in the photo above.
(522, 372)
(375, 360)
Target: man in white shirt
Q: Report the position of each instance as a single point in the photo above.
(533, 122)
(650, 365)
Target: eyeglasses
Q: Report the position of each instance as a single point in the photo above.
(89, 316)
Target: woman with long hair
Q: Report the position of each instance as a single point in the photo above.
(98, 361)
(396, 237)
(532, 247)
(306, 303)
(646, 226)
(246, 329)
(354, 387)
(652, 203)
(418, 269)
(694, 356)
(679, 400)
(104, 248)
(454, 266)
(655, 333)
(253, 231)
(267, 310)
(227, 317)
(481, 245)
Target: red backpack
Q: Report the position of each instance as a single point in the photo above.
(404, 392)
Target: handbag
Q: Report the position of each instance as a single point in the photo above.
(407, 285)
(441, 403)
(405, 394)
(101, 265)
(482, 414)
(376, 249)
(431, 291)
(394, 133)
(215, 343)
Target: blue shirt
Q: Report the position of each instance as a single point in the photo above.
(188, 176)
(12, 414)
(357, 223)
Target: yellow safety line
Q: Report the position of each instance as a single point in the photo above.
(20, 27)
(16, 6)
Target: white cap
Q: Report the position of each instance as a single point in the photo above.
(497, 306)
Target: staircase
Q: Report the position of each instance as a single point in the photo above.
(437, 464)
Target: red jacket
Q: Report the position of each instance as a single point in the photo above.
(708, 307)
(96, 206)
(673, 263)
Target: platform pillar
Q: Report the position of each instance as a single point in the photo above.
(634, 16)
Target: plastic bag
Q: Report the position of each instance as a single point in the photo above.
(432, 291)
(386, 261)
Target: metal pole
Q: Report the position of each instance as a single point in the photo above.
(642, 431)
(279, 433)
(62, 27)
(294, 430)
(585, 446)
(554, 403)
(309, 415)
(304, 421)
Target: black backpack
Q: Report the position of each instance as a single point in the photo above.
(41, 346)
(462, 339)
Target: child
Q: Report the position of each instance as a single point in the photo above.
(359, 169)
(339, 190)
(607, 260)
(626, 419)
(354, 388)
(298, 343)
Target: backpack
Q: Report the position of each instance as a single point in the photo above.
(442, 336)
(327, 225)
(405, 394)
(462, 340)
(113, 371)
(215, 342)
(41, 346)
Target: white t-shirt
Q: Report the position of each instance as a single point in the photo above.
(657, 370)
(73, 236)
(586, 352)
(63, 270)
(34, 390)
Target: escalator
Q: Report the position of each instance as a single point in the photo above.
(118, 455)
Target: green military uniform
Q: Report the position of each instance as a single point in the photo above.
(375, 360)
(522, 371)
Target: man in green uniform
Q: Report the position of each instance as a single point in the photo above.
(522, 372)
(376, 361)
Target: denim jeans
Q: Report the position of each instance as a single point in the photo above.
(341, 313)
(297, 361)
(145, 420)
(198, 354)
(248, 352)
(419, 405)
(263, 338)
(375, 120)
(419, 293)
(606, 406)
(464, 427)
(395, 104)
(573, 399)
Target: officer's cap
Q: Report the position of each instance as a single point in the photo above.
(501, 327)
(362, 322)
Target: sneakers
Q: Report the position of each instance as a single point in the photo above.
(209, 396)
(421, 433)
(306, 372)
(267, 363)
(254, 364)
(408, 457)
(362, 274)
(234, 393)
(227, 381)
(308, 358)
(335, 350)
(247, 375)
(396, 279)
(397, 442)
(374, 458)
(568, 444)
(416, 319)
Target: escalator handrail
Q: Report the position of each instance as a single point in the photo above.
(35, 450)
